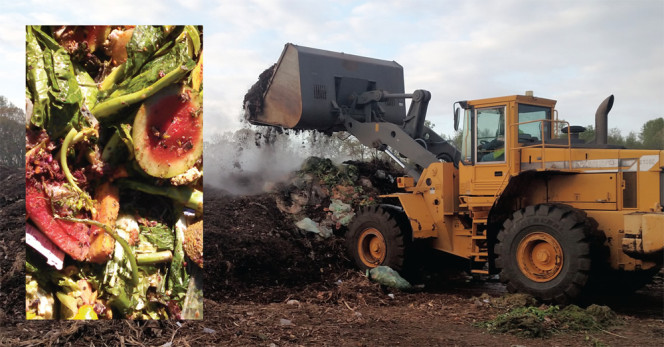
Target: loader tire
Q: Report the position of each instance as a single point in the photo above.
(545, 251)
(375, 237)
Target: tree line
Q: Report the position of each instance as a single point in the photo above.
(651, 136)
(12, 134)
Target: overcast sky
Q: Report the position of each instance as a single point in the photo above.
(577, 52)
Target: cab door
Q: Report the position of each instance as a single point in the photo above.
(490, 157)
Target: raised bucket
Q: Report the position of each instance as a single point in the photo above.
(308, 84)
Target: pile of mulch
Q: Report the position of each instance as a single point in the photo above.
(12, 245)
(253, 251)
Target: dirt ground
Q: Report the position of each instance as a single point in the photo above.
(268, 285)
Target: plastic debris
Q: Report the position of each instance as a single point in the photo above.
(292, 302)
(388, 277)
(309, 225)
(35, 239)
(342, 212)
(285, 322)
(209, 331)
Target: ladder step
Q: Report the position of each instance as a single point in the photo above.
(478, 271)
(479, 221)
(478, 237)
(480, 254)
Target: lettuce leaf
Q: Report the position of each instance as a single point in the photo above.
(88, 87)
(37, 79)
(144, 42)
(156, 69)
(161, 236)
(50, 68)
(178, 277)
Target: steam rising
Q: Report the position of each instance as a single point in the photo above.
(251, 160)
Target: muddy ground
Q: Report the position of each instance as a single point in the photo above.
(267, 284)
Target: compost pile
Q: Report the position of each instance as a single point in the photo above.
(12, 244)
(287, 240)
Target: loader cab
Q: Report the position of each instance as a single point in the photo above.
(492, 131)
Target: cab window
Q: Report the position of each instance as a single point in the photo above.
(490, 134)
(532, 132)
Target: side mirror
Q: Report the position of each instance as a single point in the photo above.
(456, 119)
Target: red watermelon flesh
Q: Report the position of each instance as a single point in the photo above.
(168, 133)
(72, 238)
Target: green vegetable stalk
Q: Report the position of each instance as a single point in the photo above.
(194, 38)
(113, 78)
(72, 138)
(63, 158)
(104, 109)
(154, 258)
(187, 196)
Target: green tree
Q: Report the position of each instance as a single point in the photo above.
(615, 137)
(631, 141)
(12, 134)
(455, 139)
(588, 135)
(652, 134)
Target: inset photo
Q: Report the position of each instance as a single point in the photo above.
(114, 172)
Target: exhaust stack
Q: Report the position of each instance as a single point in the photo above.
(601, 121)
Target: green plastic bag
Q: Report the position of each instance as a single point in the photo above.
(388, 277)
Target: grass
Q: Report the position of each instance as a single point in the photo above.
(543, 321)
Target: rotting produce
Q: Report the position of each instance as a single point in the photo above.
(114, 172)
(524, 197)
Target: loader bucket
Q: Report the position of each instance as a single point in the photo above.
(308, 86)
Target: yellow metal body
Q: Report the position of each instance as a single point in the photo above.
(618, 188)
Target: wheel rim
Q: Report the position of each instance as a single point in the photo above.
(371, 247)
(540, 257)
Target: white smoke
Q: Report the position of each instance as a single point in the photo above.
(251, 160)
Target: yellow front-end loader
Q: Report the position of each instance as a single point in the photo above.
(524, 197)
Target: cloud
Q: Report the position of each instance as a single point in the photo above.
(12, 51)
(575, 52)
(578, 55)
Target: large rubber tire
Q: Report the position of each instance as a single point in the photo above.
(375, 237)
(545, 251)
